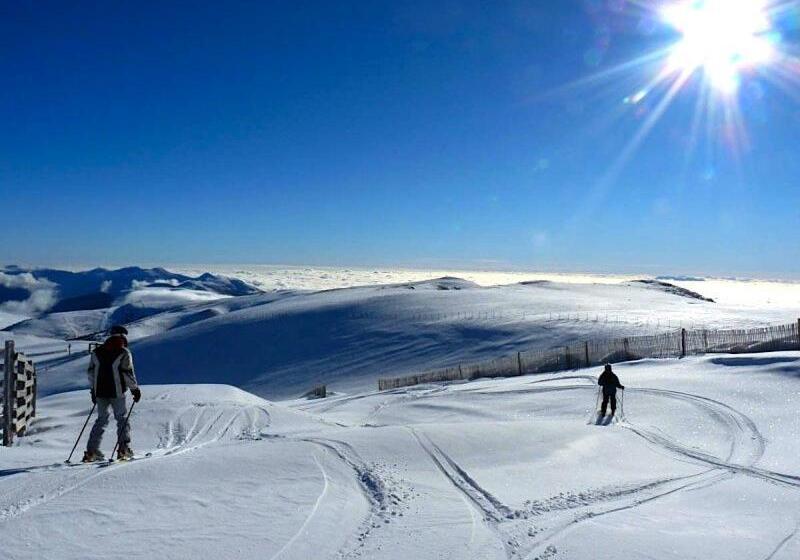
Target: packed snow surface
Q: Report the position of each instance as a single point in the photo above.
(701, 463)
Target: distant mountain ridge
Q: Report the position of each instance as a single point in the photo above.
(56, 291)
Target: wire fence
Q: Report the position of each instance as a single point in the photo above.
(675, 344)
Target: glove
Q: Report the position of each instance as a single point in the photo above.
(137, 394)
(94, 398)
(622, 387)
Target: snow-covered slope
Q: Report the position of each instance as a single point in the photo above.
(703, 466)
(279, 344)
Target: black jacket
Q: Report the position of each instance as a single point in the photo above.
(609, 381)
(111, 369)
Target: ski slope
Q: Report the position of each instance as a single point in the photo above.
(702, 464)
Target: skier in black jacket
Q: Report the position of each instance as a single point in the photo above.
(609, 382)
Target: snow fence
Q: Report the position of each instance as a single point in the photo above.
(675, 344)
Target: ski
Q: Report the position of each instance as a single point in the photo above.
(101, 462)
(129, 459)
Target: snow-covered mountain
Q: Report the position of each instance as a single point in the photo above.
(49, 290)
(279, 344)
(65, 304)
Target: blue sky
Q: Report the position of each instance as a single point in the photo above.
(455, 134)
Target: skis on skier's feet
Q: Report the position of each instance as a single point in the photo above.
(103, 461)
(603, 420)
(127, 458)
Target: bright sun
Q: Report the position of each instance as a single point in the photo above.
(720, 37)
(724, 53)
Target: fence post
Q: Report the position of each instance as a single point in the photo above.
(798, 333)
(519, 363)
(566, 358)
(321, 391)
(35, 391)
(683, 342)
(586, 352)
(9, 400)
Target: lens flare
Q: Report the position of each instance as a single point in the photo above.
(722, 54)
(720, 37)
(716, 47)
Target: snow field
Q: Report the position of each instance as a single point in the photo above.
(278, 345)
(701, 465)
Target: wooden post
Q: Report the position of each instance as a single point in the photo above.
(9, 397)
(586, 352)
(519, 363)
(683, 342)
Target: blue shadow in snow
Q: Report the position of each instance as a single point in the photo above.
(753, 361)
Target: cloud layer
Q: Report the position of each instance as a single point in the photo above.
(43, 293)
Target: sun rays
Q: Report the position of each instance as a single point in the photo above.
(718, 51)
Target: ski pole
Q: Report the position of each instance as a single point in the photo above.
(125, 425)
(597, 401)
(94, 405)
(594, 413)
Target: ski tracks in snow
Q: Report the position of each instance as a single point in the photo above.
(325, 487)
(477, 499)
(748, 444)
(747, 447)
(18, 496)
(783, 543)
(374, 488)
(489, 506)
(522, 540)
(521, 532)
